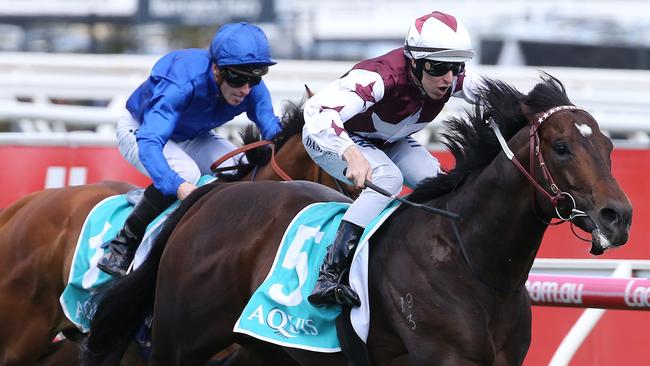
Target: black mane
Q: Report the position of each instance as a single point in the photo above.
(292, 121)
(473, 143)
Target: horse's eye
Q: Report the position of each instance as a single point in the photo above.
(560, 147)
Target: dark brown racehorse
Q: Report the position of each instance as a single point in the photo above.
(38, 235)
(435, 297)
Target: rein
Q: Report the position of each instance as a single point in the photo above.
(454, 224)
(274, 163)
(339, 185)
(214, 167)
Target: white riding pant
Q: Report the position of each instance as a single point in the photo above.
(403, 162)
(189, 159)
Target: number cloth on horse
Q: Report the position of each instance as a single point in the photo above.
(101, 225)
(279, 313)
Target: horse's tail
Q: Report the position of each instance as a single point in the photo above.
(123, 306)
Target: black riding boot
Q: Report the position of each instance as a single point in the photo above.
(330, 288)
(121, 250)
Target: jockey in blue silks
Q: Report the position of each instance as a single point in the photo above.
(167, 132)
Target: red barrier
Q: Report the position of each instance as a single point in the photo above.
(589, 292)
(26, 169)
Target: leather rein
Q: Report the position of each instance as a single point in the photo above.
(274, 164)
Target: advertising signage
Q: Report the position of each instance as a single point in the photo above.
(190, 12)
(212, 11)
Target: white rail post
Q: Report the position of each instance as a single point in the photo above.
(584, 325)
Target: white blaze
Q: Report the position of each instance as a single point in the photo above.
(584, 129)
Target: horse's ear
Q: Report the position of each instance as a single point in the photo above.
(309, 92)
(525, 110)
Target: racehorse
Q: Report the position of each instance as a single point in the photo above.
(440, 292)
(39, 232)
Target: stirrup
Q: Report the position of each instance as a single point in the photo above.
(112, 262)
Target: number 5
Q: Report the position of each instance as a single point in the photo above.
(295, 259)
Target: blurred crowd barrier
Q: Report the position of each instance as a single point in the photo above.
(52, 99)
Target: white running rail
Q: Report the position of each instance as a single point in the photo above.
(33, 86)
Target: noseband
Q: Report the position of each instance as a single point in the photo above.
(556, 195)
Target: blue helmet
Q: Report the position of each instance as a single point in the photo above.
(239, 44)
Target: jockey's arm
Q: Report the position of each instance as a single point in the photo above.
(261, 112)
(326, 112)
(158, 124)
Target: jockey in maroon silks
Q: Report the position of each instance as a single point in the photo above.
(359, 127)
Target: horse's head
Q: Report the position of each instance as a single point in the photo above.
(575, 169)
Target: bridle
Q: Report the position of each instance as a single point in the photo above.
(274, 164)
(317, 176)
(556, 195)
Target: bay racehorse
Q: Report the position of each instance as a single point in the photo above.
(38, 234)
(439, 293)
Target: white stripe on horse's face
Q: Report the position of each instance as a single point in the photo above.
(584, 129)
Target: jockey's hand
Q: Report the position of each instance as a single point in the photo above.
(184, 190)
(358, 169)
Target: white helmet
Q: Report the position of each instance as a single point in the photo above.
(438, 37)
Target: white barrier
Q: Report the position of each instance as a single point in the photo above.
(616, 98)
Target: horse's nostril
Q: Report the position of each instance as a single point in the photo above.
(609, 216)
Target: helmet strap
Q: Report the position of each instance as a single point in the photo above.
(417, 71)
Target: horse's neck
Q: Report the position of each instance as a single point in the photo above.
(500, 232)
(500, 229)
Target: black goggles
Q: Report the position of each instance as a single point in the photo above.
(237, 80)
(440, 68)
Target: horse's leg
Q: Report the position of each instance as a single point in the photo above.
(178, 340)
(184, 334)
(517, 342)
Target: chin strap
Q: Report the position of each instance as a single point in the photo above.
(416, 71)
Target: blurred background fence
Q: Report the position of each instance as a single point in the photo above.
(47, 97)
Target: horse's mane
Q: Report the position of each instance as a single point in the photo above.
(292, 121)
(473, 143)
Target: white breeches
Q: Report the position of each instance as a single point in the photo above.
(189, 159)
(404, 162)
